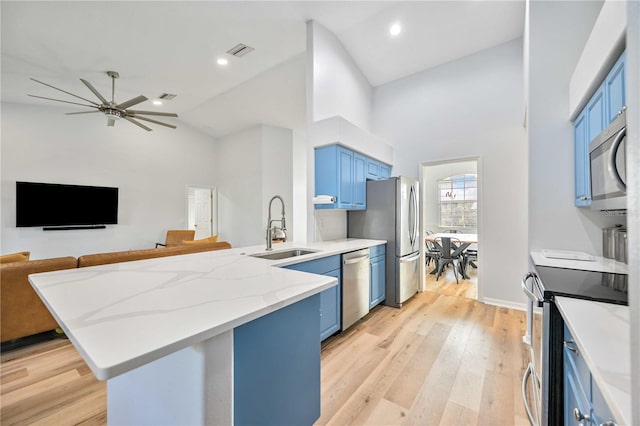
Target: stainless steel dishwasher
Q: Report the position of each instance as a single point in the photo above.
(356, 272)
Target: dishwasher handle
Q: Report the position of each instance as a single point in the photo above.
(355, 259)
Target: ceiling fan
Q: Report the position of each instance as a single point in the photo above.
(111, 109)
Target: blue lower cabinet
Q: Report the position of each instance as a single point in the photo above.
(330, 313)
(377, 290)
(330, 308)
(575, 399)
(276, 367)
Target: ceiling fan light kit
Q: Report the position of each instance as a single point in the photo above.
(112, 110)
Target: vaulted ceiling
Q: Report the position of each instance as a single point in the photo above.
(172, 47)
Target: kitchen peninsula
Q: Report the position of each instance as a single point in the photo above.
(208, 338)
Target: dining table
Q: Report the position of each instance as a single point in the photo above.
(465, 241)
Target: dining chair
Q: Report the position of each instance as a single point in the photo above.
(432, 252)
(176, 237)
(449, 254)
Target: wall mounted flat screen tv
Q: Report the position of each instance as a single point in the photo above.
(47, 204)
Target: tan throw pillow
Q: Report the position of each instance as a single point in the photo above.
(23, 256)
(213, 239)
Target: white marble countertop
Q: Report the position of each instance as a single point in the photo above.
(602, 334)
(124, 315)
(600, 264)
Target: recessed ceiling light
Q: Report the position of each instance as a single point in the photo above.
(222, 61)
(395, 29)
(157, 102)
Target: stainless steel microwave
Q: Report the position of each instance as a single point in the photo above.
(608, 166)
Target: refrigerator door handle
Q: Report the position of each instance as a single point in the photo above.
(412, 225)
(408, 259)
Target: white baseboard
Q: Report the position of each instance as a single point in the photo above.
(505, 303)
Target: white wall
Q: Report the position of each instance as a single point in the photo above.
(430, 195)
(339, 107)
(339, 87)
(602, 49)
(633, 157)
(471, 107)
(151, 170)
(554, 221)
(254, 165)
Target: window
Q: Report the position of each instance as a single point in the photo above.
(458, 200)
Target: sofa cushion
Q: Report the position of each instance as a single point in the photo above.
(22, 256)
(22, 313)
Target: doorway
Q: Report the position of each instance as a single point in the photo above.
(201, 208)
(450, 207)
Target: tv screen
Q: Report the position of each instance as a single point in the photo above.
(47, 204)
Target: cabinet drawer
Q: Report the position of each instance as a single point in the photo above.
(377, 251)
(577, 360)
(318, 266)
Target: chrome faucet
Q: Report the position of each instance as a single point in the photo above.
(283, 227)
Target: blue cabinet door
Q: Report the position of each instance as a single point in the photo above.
(615, 89)
(574, 394)
(345, 178)
(373, 169)
(596, 114)
(359, 184)
(581, 159)
(385, 171)
(378, 281)
(377, 287)
(276, 367)
(330, 306)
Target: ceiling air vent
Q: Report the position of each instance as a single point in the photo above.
(166, 96)
(240, 50)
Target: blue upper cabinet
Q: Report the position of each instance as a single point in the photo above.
(596, 114)
(581, 156)
(373, 169)
(343, 173)
(601, 110)
(345, 178)
(385, 171)
(377, 170)
(359, 182)
(615, 86)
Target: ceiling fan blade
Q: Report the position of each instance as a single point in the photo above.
(64, 91)
(164, 114)
(66, 102)
(95, 92)
(154, 121)
(132, 102)
(110, 122)
(137, 123)
(81, 112)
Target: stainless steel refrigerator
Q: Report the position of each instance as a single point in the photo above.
(392, 215)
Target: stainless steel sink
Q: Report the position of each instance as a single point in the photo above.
(284, 254)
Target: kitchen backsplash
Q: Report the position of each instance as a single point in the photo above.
(330, 224)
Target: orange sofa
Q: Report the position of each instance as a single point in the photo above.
(22, 313)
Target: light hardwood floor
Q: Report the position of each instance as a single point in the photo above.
(442, 359)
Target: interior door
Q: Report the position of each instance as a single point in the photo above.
(201, 211)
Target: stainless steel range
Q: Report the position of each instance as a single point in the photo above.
(542, 390)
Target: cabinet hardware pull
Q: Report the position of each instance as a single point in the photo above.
(579, 416)
(571, 345)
